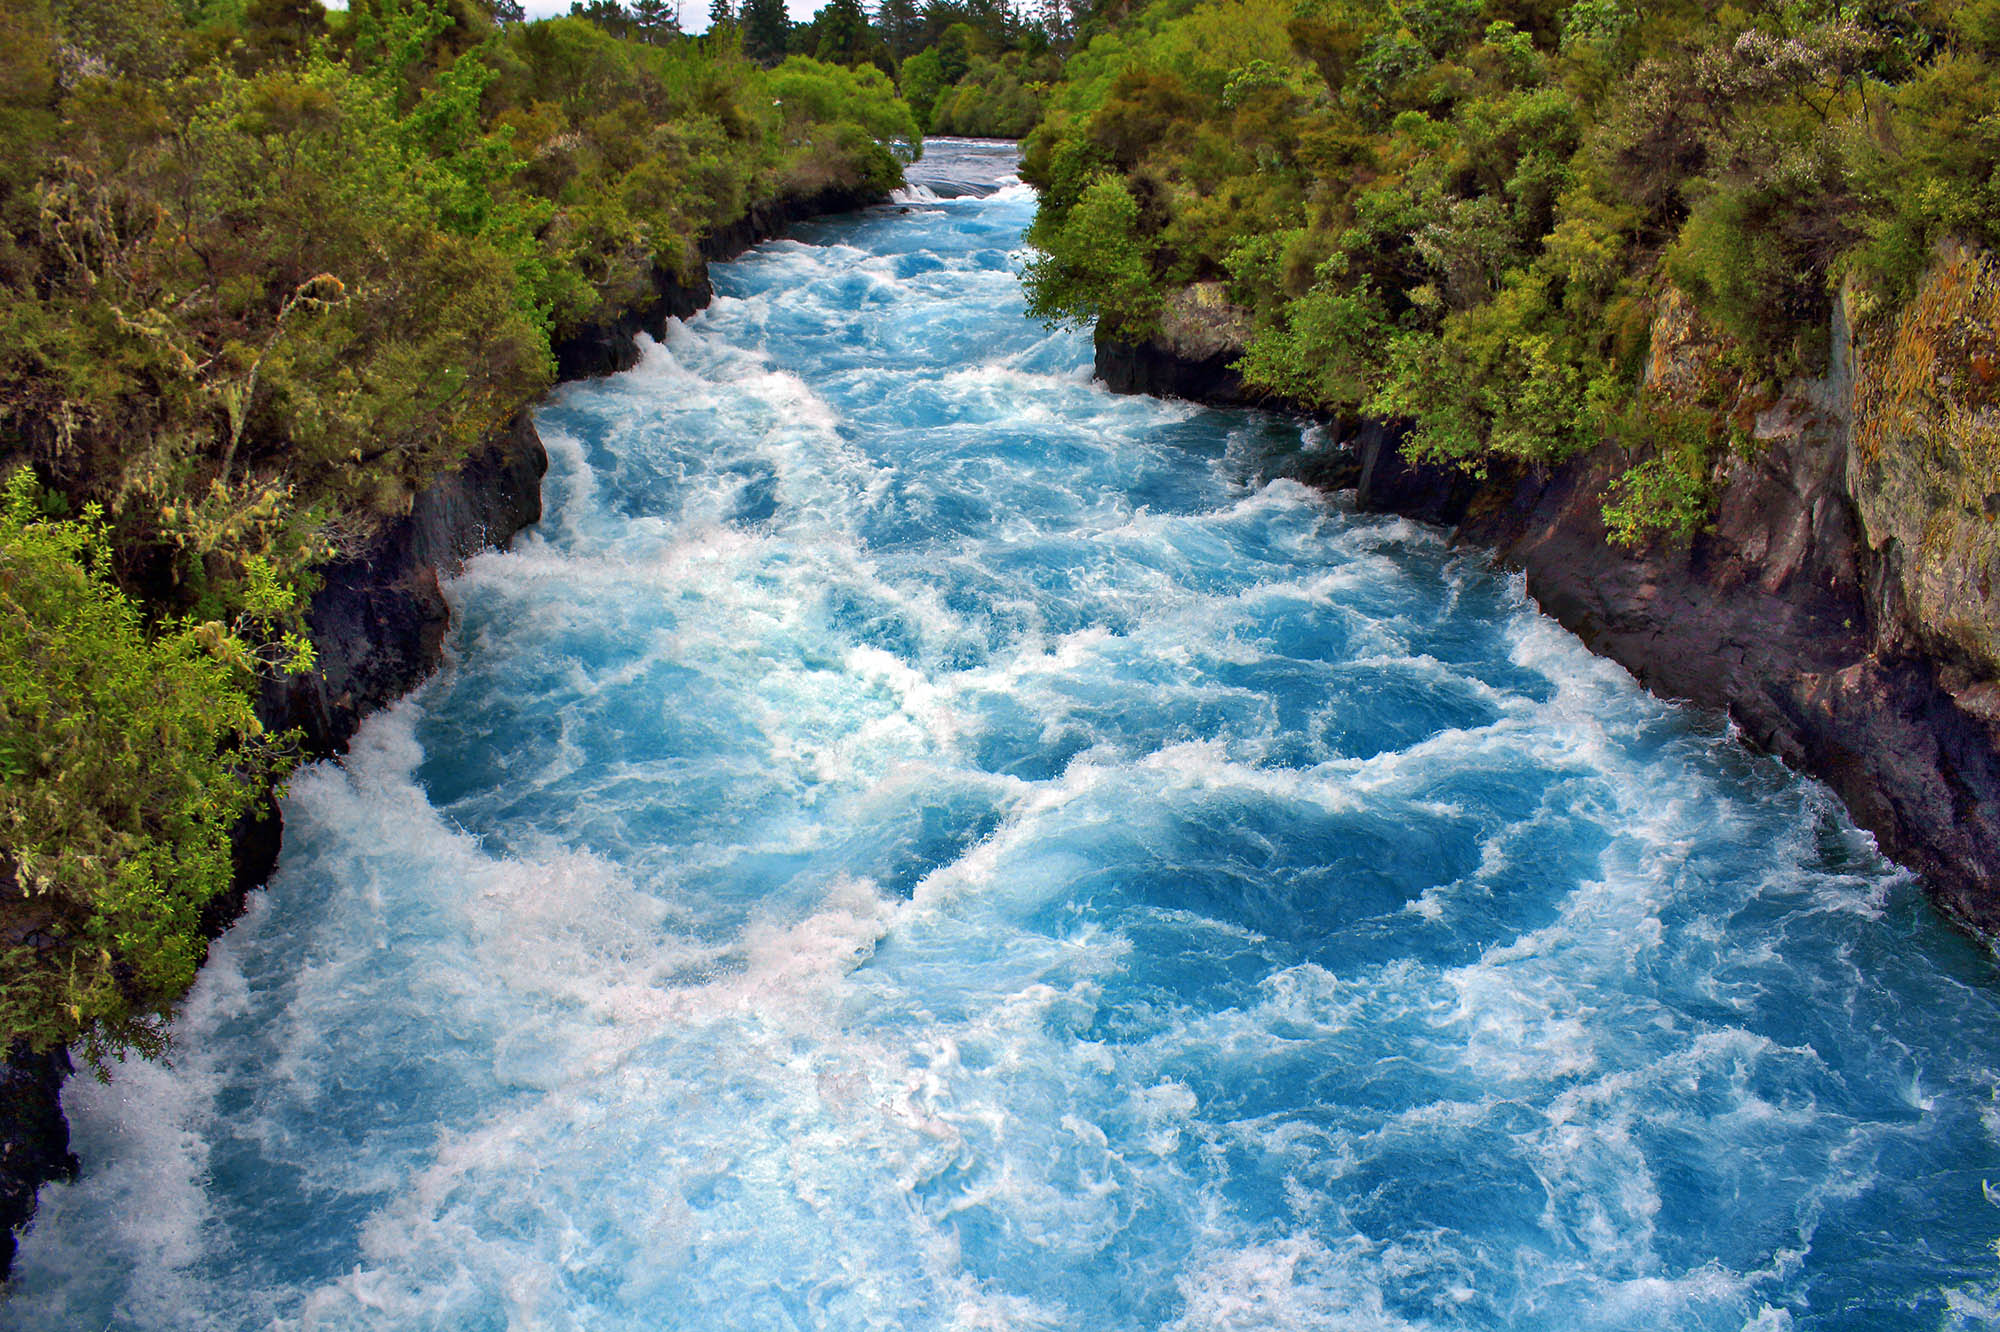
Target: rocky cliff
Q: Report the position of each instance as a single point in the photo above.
(378, 626)
(610, 343)
(1192, 355)
(1840, 606)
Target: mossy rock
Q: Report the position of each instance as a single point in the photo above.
(1925, 464)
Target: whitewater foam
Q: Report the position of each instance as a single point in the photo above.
(915, 840)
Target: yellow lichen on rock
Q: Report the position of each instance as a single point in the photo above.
(1925, 464)
(1198, 322)
(1685, 356)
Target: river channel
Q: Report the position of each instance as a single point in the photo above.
(915, 841)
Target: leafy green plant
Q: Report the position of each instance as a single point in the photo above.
(1667, 496)
(265, 272)
(1094, 268)
(129, 754)
(1661, 499)
(1461, 215)
(1327, 349)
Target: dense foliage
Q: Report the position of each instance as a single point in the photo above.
(264, 271)
(983, 75)
(128, 755)
(1466, 215)
(971, 67)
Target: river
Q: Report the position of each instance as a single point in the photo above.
(915, 841)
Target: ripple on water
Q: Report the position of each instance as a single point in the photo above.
(913, 840)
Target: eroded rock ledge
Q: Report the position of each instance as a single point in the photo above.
(1782, 613)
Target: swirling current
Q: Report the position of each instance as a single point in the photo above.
(915, 841)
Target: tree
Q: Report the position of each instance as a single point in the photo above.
(656, 21)
(276, 30)
(127, 757)
(720, 15)
(901, 28)
(764, 30)
(922, 81)
(843, 32)
(960, 42)
(1057, 22)
(609, 15)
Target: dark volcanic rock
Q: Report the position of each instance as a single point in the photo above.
(765, 219)
(1190, 353)
(34, 1137)
(611, 344)
(1390, 483)
(1148, 367)
(253, 855)
(1770, 617)
(379, 621)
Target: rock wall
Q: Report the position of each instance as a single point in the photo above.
(34, 1139)
(1191, 355)
(611, 343)
(1924, 468)
(1776, 616)
(1791, 612)
(378, 625)
(379, 622)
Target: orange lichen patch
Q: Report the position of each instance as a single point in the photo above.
(1933, 379)
(1925, 471)
(1687, 361)
(1198, 322)
(1698, 397)
(1692, 367)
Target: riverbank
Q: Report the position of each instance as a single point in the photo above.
(378, 626)
(910, 822)
(1780, 613)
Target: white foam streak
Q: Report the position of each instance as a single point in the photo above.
(915, 840)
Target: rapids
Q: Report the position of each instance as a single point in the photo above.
(914, 841)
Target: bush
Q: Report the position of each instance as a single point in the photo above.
(1667, 497)
(863, 96)
(1660, 499)
(1095, 266)
(1327, 350)
(264, 273)
(127, 758)
(1459, 214)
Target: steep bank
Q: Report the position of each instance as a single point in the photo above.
(1781, 612)
(611, 344)
(378, 626)
(974, 709)
(380, 620)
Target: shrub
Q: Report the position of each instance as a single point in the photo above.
(128, 755)
(1667, 497)
(1327, 351)
(1095, 267)
(1660, 499)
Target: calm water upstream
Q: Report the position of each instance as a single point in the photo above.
(914, 841)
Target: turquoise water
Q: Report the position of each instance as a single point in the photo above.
(914, 841)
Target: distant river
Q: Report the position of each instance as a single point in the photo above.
(914, 841)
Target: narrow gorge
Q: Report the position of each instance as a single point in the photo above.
(911, 838)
